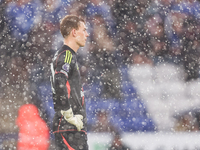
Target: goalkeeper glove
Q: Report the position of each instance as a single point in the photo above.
(73, 119)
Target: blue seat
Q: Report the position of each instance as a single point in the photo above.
(128, 90)
(92, 91)
(91, 109)
(149, 125)
(123, 70)
(128, 115)
(129, 124)
(45, 95)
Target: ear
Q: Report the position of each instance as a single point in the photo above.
(73, 32)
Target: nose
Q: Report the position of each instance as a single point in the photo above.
(87, 34)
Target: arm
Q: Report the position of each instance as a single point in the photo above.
(59, 80)
(62, 90)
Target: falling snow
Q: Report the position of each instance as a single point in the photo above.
(139, 69)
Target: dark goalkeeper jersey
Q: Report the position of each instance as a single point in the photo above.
(67, 89)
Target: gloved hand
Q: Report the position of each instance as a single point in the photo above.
(73, 119)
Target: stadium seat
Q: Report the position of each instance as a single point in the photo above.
(129, 114)
(123, 70)
(45, 95)
(92, 91)
(128, 89)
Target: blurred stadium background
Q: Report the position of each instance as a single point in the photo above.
(139, 68)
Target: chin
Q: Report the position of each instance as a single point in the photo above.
(82, 45)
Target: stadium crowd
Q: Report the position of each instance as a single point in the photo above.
(122, 33)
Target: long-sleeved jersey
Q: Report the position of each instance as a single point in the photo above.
(67, 89)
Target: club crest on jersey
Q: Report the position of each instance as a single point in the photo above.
(66, 67)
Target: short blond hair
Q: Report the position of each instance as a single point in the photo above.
(68, 23)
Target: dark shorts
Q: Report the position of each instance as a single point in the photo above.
(71, 140)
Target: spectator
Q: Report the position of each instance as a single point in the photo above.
(190, 51)
(102, 50)
(52, 13)
(18, 74)
(183, 36)
(128, 10)
(21, 15)
(197, 115)
(128, 42)
(117, 143)
(141, 58)
(33, 132)
(161, 7)
(2, 15)
(103, 124)
(175, 30)
(157, 43)
(15, 31)
(186, 123)
(45, 35)
(77, 8)
(188, 7)
(99, 7)
(4, 42)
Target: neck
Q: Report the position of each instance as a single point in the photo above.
(71, 44)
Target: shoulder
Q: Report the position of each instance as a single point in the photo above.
(64, 56)
(68, 56)
(58, 54)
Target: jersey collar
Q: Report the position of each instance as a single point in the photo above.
(65, 47)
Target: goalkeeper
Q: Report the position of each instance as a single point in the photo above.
(69, 123)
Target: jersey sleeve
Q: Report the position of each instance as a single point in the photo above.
(61, 83)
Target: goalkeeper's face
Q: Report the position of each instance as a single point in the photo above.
(81, 34)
